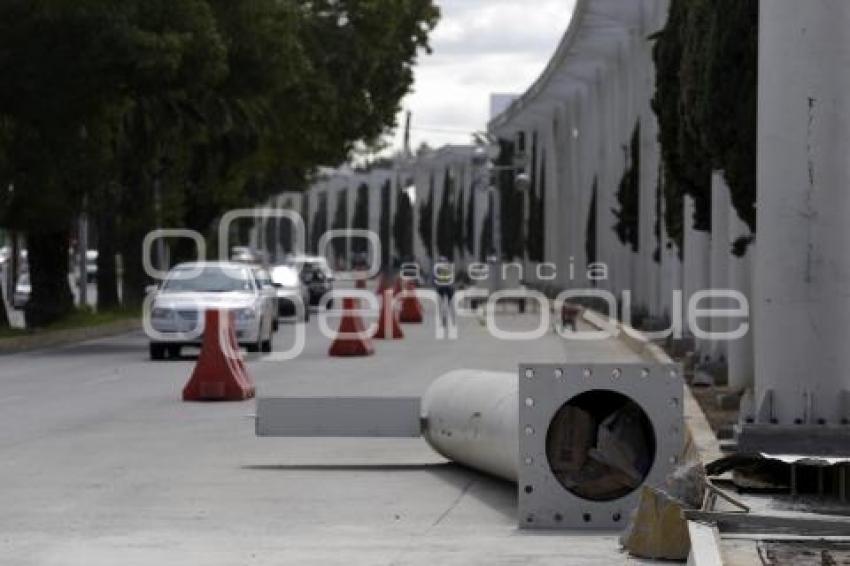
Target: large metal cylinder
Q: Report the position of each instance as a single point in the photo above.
(471, 417)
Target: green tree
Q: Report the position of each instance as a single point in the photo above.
(486, 236)
(360, 220)
(319, 225)
(446, 219)
(426, 220)
(168, 112)
(459, 223)
(470, 221)
(627, 226)
(340, 222)
(591, 225)
(512, 201)
(536, 232)
(706, 95)
(385, 225)
(403, 227)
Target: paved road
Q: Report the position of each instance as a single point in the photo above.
(101, 464)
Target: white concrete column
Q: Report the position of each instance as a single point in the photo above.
(629, 71)
(649, 163)
(721, 255)
(740, 352)
(802, 270)
(554, 192)
(697, 246)
(609, 148)
(575, 213)
(671, 271)
(585, 172)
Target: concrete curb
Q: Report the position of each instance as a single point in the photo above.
(50, 339)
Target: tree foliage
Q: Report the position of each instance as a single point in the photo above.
(340, 222)
(426, 220)
(627, 226)
(360, 219)
(470, 221)
(403, 226)
(706, 94)
(512, 200)
(536, 232)
(459, 222)
(591, 225)
(446, 218)
(319, 224)
(385, 224)
(168, 112)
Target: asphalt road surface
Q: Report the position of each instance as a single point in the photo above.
(102, 464)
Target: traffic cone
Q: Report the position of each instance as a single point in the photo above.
(411, 308)
(383, 285)
(220, 374)
(388, 326)
(351, 338)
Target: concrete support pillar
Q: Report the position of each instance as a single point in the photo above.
(740, 352)
(595, 148)
(554, 188)
(587, 172)
(561, 157)
(629, 70)
(649, 168)
(576, 212)
(671, 272)
(697, 248)
(802, 268)
(609, 149)
(721, 256)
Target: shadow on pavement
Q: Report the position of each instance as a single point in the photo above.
(497, 494)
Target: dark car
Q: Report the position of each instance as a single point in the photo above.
(318, 283)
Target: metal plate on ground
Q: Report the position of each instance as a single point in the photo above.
(544, 501)
(339, 417)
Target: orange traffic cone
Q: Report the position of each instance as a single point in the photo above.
(388, 326)
(383, 285)
(220, 374)
(411, 308)
(351, 338)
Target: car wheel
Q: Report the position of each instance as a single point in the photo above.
(266, 346)
(254, 347)
(275, 325)
(157, 352)
(174, 351)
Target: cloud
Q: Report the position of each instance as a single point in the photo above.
(479, 47)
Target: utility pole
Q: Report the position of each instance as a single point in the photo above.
(407, 152)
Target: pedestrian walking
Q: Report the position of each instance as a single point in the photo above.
(445, 284)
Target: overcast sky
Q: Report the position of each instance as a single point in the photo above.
(480, 47)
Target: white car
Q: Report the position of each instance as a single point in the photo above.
(291, 291)
(177, 311)
(23, 290)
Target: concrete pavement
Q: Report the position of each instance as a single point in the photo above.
(101, 464)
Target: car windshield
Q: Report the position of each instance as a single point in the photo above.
(209, 280)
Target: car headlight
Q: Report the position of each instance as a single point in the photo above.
(245, 314)
(160, 313)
